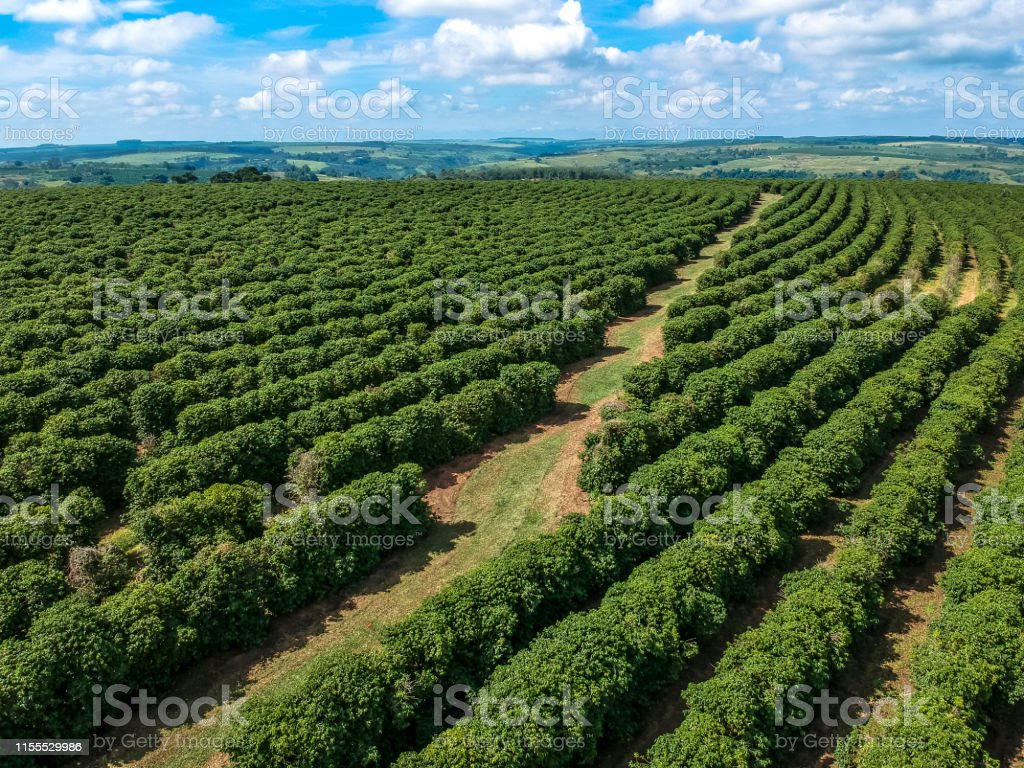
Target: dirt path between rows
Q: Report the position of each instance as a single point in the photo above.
(815, 547)
(969, 280)
(881, 668)
(571, 413)
(516, 487)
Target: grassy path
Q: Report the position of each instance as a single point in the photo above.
(517, 487)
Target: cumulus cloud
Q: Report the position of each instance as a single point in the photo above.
(487, 10)
(884, 98)
(155, 98)
(140, 67)
(713, 54)
(336, 57)
(161, 35)
(663, 12)
(63, 11)
(909, 30)
(74, 11)
(532, 53)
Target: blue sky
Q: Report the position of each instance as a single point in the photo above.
(430, 69)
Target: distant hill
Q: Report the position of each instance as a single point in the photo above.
(133, 161)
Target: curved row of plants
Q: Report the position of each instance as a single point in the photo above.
(650, 427)
(731, 335)
(792, 204)
(845, 221)
(634, 438)
(221, 599)
(616, 656)
(700, 323)
(666, 374)
(732, 719)
(792, 237)
(968, 672)
(461, 635)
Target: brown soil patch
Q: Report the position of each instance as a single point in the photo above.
(881, 667)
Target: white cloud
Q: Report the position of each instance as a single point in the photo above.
(533, 53)
(336, 57)
(140, 6)
(885, 98)
(147, 35)
(141, 67)
(909, 30)
(662, 12)
(139, 102)
(291, 33)
(713, 54)
(261, 101)
(614, 56)
(483, 10)
(289, 63)
(74, 11)
(63, 11)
